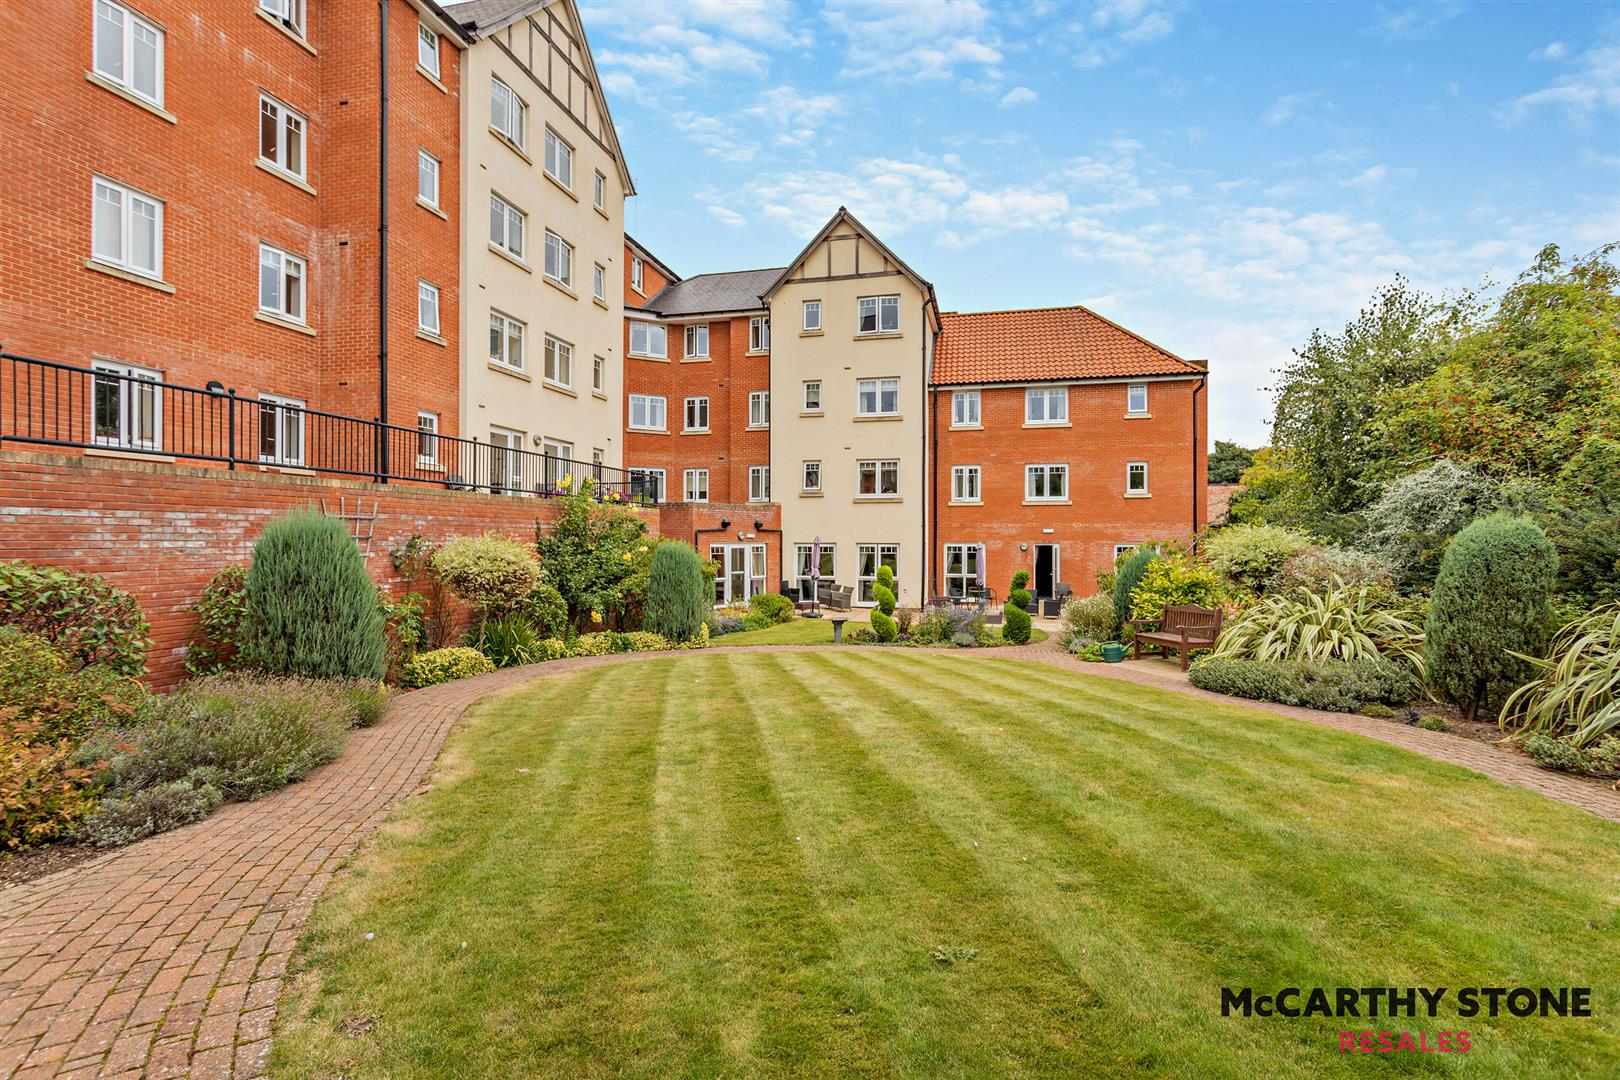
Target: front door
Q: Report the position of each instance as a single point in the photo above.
(742, 572)
(1046, 571)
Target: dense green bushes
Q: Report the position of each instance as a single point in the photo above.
(1127, 578)
(445, 665)
(1172, 582)
(1088, 618)
(39, 688)
(1575, 694)
(1016, 624)
(312, 609)
(221, 613)
(1249, 556)
(883, 625)
(1319, 569)
(1359, 623)
(679, 593)
(1490, 608)
(492, 574)
(1330, 685)
(88, 619)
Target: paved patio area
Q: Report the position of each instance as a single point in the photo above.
(166, 958)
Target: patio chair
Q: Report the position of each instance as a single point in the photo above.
(835, 597)
(790, 591)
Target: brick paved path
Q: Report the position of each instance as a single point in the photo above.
(166, 957)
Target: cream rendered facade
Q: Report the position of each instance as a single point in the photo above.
(842, 266)
(542, 361)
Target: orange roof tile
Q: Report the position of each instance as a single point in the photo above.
(1044, 344)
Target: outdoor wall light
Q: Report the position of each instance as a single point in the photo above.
(725, 523)
(758, 524)
(1023, 547)
(215, 386)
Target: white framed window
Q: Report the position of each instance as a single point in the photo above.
(507, 112)
(812, 395)
(281, 136)
(636, 274)
(649, 339)
(281, 430)
(281, 284)
(559, 368)
(427, 308)
(965, 483)
(697, 414)
(506, 340)
(507, 225)
(759, 483)
(599, 281)
(1136, 401)
(811, 480)
(506, 461)
(868, 557)
(697, 340)
(1123, 549)
(559, 260)
(427, 438)
(427, 50)
(877, 397)
(289, 13)
(965, 408)
(557, 462)
(559, 163)
(427, 178)
(695, 485)
(126, 228)
(598, 374)
(812, 316)
(962, 569)
(877, 315)
(127, 403)
(804, 556)
(759, 333)
(599, 191)
(1046, 405)
(1136, 478)
(647, 412)
(878, 479)
(128, 51)
(1046, 483)
(647, 483)
(759, 409)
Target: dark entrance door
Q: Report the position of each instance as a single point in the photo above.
(1045, 571)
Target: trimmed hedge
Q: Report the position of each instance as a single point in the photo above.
(1329, 685)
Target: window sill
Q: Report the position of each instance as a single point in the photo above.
(559, 286)
(696, 431)
(812, 333)
(559, 388)
(1138, 495)
(430, 208)
(432, 78)
(283, 174)
(292, 35)
(648, 356)
(285, 470)
(1047, 424)
(510, 145)
(504, 369)
(885, 418)
(428, 335)
(879, 498)
(599, 395)
(696, 359)
(757, 427)
(124, 275)
(285, 324)
(1138, 416)
(1048, 502)
(601, 210)
(429, 465)
(883, 335)
(560, 186)
(965, 502)
(649, 430)
(130, 96)
(757, 352)
(601, 303)
(812, 494)
(813, 412)
(129, 455)
(509, 257)
(966, 427)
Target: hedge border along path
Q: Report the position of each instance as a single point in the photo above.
(166, 958)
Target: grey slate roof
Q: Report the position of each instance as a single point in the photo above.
(708, 294)
(481, 13)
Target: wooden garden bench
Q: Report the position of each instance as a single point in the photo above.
(1184, 627)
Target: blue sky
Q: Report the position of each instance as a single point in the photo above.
(1220, 178)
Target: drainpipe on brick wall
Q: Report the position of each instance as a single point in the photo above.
(382, 242)
(1197, 388)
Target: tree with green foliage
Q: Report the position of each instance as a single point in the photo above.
(1275, 491)
(1251, 555)
(884, 627)
(1414, 519)
(1128, 578)
(679, 593)
(311, 606)
(1016, 623)
(1227, 462)
(598, 556)
(1490, 602)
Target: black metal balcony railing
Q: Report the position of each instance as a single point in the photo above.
(115, 407)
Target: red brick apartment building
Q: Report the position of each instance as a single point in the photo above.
(194, 197)
(1051, 439)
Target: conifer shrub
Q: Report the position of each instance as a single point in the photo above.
(679, 593)
(1491, 607)
(1127, 578)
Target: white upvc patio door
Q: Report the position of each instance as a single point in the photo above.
(742, 572)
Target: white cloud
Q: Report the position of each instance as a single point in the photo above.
(1593, 85)
(727, 216)
(1019, 95)
(1553, 50)
(787, 107)
(1368, 178)
(715, 136)
(1414, 21)
(1112, 27)
(1289, 106)
(916, 39)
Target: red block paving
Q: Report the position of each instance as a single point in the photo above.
(166, 958)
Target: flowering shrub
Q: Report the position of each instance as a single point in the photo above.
(1089, 618)
(1317, 569)
(445, 665)
(92, 622)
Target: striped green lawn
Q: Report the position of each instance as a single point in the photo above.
(739, 864)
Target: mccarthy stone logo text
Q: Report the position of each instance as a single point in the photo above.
(1395, 1001)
